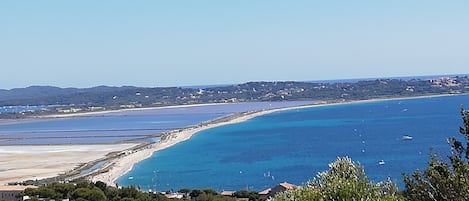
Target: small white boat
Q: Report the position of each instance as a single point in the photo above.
(407, 137)
(381, 162)
(130, 178)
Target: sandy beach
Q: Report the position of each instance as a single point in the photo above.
(20, 163)
(98, 113)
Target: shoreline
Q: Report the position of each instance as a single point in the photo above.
(120, 166)
(96, 113)
(101, 113)
(116, 168)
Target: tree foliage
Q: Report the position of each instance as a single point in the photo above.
(93, 194)
(443, 179)
(345, 180)
(207, 195)
(98, 191)
(251, 195)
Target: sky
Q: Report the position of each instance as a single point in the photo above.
(181, 43)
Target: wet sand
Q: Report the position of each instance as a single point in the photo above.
(20, 163)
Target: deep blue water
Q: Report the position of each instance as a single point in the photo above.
(295, 145)
(129, 125)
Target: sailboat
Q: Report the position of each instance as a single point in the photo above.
(407, 137)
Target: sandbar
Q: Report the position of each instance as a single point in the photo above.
(19, 163)
(119, 166)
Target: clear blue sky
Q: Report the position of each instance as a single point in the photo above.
(173, 42)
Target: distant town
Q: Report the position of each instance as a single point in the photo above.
(73, 100)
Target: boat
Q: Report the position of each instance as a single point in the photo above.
(381, 162)
(130, 178)
(407, 137)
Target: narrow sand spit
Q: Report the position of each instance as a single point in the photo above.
(117, 167)
(19, 163)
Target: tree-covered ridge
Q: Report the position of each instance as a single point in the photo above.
(107, 98)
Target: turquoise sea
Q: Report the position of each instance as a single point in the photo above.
(120, 126)
(295, 145)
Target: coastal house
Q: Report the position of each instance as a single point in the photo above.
(12, 193)
(227, 193)
(68, 110)
(270, 192)
(174, 195)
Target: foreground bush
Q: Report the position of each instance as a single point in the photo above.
(85, 191)
(344, 181)
(443, 181)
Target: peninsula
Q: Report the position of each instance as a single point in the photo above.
(126, 155)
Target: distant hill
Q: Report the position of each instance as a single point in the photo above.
(46, 94)
(104, 97)
(33, 92)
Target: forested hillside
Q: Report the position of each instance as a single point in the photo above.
(108, 98)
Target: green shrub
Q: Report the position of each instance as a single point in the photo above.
(344, 181)
(443, 181)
